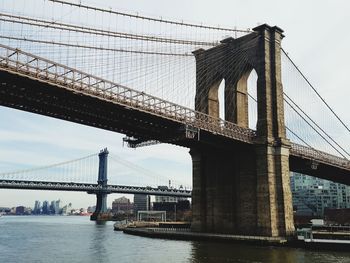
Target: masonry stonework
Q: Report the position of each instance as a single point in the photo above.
(245, 190)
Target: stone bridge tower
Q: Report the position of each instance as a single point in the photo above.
(244, 189)
(101, 194)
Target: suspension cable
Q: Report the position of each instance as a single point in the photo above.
(49, 166)
(96, 31)
(291, 131)
(313, 88)
(300, 109)
(96, 48)
(315, 130)
(150, 18)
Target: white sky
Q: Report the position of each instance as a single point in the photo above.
(316, 38)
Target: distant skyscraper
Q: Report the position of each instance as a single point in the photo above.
(52, 207)
(46, 208)
(37, 208)
(57, 207)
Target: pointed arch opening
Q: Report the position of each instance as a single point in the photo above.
(221, 99)
(216, 99)
(252, 99)
(243, 104)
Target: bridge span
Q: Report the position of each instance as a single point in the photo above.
(92, 188)
(13, 180)
(240, 176)
(38, 85)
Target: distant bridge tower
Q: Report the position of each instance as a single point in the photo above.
(244, 189)
(101, 195)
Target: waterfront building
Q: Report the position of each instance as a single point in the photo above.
(122, 205)
(181, 205)
(311, 195)
(20, 210)
(179, 210)
(141, 203)
(5, 209)
(168, 199)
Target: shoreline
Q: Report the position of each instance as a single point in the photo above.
(180, 234)
(196, 236)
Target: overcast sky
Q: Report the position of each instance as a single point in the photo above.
(316, 38)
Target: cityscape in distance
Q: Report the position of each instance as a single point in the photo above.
(312, 198)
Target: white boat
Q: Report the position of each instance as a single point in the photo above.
(325, 236)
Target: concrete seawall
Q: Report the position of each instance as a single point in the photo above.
(183, 234)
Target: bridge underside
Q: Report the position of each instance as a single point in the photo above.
(319, 170)
(231, 194)
(27, 94)
(31, 95)
(91, 188)
(23, 93)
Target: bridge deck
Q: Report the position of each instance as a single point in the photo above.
(43, 70)
(35, 84)
(91, 188)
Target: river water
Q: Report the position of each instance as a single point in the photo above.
(76, 239)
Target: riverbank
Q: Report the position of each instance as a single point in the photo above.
(186, 234)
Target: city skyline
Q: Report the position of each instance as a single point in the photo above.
(65, 200)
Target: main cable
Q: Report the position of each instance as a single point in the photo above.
(150, 18)
(314, 89)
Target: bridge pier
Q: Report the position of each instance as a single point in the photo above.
(244, 190)
(101, 196)
(224, 191)
(274, 198)
(101, 208)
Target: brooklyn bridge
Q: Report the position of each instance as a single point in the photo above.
(162, 81)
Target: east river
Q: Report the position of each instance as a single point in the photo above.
(76, 239)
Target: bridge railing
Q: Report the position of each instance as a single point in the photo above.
(69, 78)
(91, 188)
(48, 71)
(319, 156)
(150, 190)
